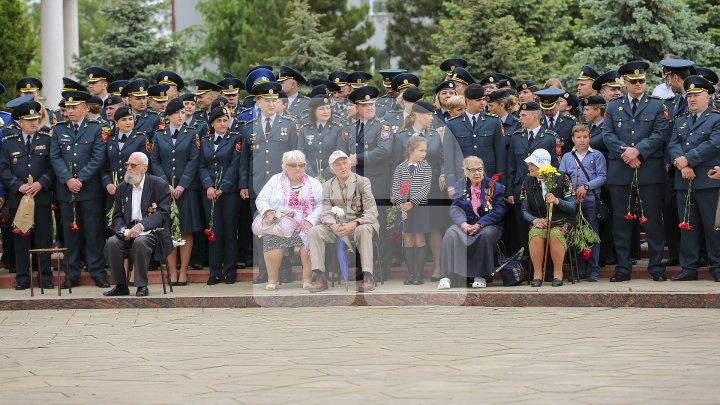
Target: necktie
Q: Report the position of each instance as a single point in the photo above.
(320, 128)
(217, 140)
(267, 127)
(592, 126)
(446, 115)
(694, 118)
(77, 128)
(474, 122)
(551, 124)
(27, 142)
(531, 137)
(175, 134)
(634, 105)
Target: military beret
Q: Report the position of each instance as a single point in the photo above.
(174, 106)
(136, 88)
(527, 85)
(364, 95)
(267, 90)
(587, 73)
(448, 65)
(204, 86)
(27, 111)
(611, 79)
(231, 85)
(570, 98)
(461, 75)
(329, 84)
(19, 100)
(257, 75)
(490, 78)
(70, 84)
(216, 113)
(389, 74)
(634, 70)
(117, 86)
(94, 100)
(446, 85)
(698, 84)
(338, 77)
(413, 94)
(404, 80)
(219, 102)
(75, 97)
(530, 106)
(358, 79)
(319, 90)
(319, 100)
(171, 78)
(474, 92)
(548, 97)
(96, 74)
(287, 72)
(708, 74)
(506, 82)
(158, 92)
(498, 95)
(594, 100)
(28, 85)
(678, 65)
(188, 97)
(121, 112)
(423, 107)
(113, 100)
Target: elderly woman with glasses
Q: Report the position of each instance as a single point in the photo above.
(477, 212)
(295, 194)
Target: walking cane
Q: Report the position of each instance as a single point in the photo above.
(547, 243)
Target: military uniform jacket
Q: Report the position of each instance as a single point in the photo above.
(115, 157)
(395, 119)
(596, 138)
(644, 130)
(510, 125)
(299, 105)
(374, 147)
(700, 144)
(17, 163)
(261, 156)
(177, 163)
(563, 128)
(520, 149)
(486, 141)
(222, 163)
(81, 156)
(318, 146)
(147, 122)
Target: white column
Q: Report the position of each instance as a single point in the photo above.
(72, 36)
(52, 54)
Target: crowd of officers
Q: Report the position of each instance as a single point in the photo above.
(216, 150)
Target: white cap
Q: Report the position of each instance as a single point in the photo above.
(539, 157)
(336, 155)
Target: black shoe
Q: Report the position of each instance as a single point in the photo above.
(671, 262)
(181, 283)
(142, 292)
(685, 276)
(260, 279)
(286, 277)
(48, 285)
(213, 280)
(229, 281)
(22, 286)
(409, 280)
(592, 279)
(74, 283)
(619, 276)
(117, 291)
(536, 283)
(174, 284)
(716, 277)
(102, 283)
(557, 282)
(418, 280)
(197, 266)
(659, 276)
(11, 269)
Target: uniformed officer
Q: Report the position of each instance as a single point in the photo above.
(231, 90)
(491, 81)
(255, 76)
(291, 79)
(609, 85)
(634, 132)
(172, 79)
(585, 83)
(70, 84)
(31, 85)
(370, 143)
(340, 79)
(175, 158)
(145, 120)
(409, 95)
(386, 102)
(462, 78)
(443, 92)
(449, 65)
(95, 106)
(713, 78)
(189, 109)
(554, 120)
(25, 152)
(158, 96)
(205, 93)
(98, 79)
(694, 149)
(115, 88)
(264, 140)
(474, 133)
(676, 71)
(219, 165)
(499, 103)
(112, 103)
(122, 142)
(530, 137)
(526, 91)
(78, 156)
(594, 114)
(320, 137)
(358, 79)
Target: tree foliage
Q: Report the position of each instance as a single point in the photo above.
(411, 27)
(709, 14)
(134, 46)
(18, 44)
(307, 49)
(352, 30)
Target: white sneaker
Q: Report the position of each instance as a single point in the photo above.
(479, 282)
(444, 284)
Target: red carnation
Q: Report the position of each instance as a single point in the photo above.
(405, 188)
(74, 227)
(207, 232)
(643, 219)
(629, 216)
(686, 226)
(496, 176)
(585, 254)
(211, 238)
(54, 207)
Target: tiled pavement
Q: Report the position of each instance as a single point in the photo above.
(350, 355)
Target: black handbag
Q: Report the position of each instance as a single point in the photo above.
(602, 210)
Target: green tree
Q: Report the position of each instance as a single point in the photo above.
(641, 30)
(92, 22)
(134, 46)
(307, 49)
(410, 31)
(352, 30)
(709, 14)
(18, 44)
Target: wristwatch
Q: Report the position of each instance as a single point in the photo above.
(587, 188)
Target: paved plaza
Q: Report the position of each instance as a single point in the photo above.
(351, 355)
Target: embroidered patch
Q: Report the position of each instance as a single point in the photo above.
(105, 133)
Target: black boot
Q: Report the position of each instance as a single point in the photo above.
(409, 253)
(420, 253)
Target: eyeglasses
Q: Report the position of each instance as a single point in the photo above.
(474, 170)
(636, 81)
(132, 165)
(295, 165)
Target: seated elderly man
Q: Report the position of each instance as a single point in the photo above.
(142, 204)
(353, 194)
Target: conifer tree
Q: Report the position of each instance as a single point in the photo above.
(17, 44)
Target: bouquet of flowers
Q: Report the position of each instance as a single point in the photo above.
(112, 207)
(632, 212)
(175, 221)
(585, 236)
(209, 230)
(685, 224)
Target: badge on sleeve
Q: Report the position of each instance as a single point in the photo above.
(105, 133)
(385, 133)
(238, 146)
(148, 146)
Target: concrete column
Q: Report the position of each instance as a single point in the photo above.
(52, 55)
(72, 35)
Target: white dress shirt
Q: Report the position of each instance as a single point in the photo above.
(136, 199)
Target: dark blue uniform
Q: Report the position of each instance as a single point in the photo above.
(219, 166)
(147, 122)
(318, 146)
(646, 131)
(699, 143)
(485, 141)
(116, 157)
(299, 106)
(563, 128)
(17, 162)
(81, 156)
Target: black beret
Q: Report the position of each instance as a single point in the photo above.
(188, 97)
(423, 107)
(174, 106)
(527, 85)
(498, 95)
(113, 100)
(95, 100)
(474, 92)
(413, 94)
(216, 113)
(123, 111)
(531, 106)
(219, 102)
(319, 100)
(319, 90)
(594, 100)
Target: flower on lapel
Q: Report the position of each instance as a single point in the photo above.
(148, 146)
(161, 125)
(105, 133)
(152, 208)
